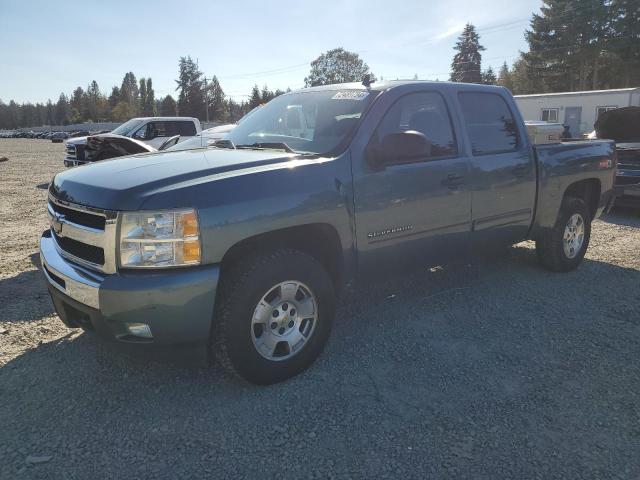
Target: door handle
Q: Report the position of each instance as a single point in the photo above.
(453, 180)
(521, 170)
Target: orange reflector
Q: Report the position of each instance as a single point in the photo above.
(189, 224)
(191, 251)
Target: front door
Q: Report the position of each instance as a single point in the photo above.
(573, 117)
(416, 210)
(503, 186)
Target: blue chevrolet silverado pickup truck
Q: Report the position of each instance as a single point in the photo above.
(244, 247)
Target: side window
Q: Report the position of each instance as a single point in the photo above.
(141, 133)
(425, 113)
(490, 124)
(151, 130)
(184, 129)
(549, 115)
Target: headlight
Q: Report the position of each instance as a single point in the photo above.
(159, 239)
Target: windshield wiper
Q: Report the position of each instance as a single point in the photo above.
(280, 145)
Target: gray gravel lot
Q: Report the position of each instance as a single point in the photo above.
(493, 370)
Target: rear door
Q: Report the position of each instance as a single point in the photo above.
(419, 210)
(503, 174)
(573, 118)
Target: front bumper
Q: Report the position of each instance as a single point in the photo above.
(176, 304)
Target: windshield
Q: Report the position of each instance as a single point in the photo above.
(127, 127)
(314, 122)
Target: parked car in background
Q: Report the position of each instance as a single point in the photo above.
(152, 131)
(109, 145)
(243, 250)
(623, 126)
(59, 137)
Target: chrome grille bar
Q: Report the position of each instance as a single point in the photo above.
(104, 239)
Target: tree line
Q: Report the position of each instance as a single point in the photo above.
(196, 98)
(573, 45)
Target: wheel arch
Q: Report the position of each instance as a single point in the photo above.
(588, 190)
(319, 240)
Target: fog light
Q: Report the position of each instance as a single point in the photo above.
(139, 330)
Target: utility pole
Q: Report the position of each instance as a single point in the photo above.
(206, 100)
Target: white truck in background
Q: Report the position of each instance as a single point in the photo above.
(131, 137)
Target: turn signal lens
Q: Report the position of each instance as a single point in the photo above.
(191, 251)
(189, 224)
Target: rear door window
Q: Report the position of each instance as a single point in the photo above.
(184, 129)
(490, 123)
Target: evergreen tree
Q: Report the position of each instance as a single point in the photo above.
(568, 41)
(95, 107)
(625, 41)
(61, 112)
(191, 95)
(266, 95)
(488, 77)
(129, 91)
(77, 106)
(504, 77)
(114, 98)
(218, 108)
(149, 109)
(337, 66)
(142, 99)
(466, 65)
(255, 99)
(50, 113)
(168, 108)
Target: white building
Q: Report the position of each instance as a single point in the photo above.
(579, 110)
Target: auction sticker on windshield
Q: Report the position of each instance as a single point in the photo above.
(350, 95)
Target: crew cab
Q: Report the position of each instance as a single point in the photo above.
(130, 137)
(243, 248)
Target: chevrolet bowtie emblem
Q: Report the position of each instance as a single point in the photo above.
(56, 223)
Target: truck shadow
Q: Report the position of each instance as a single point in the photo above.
(624, 216)
(471, 346)
(24, 297)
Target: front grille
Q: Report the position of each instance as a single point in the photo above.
(80, 152)
(80, 250)
(85, 219)
(85, 235)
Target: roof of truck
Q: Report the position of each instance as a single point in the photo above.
(386, 84)
(164, 118)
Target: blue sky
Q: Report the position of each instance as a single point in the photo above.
(50, 47)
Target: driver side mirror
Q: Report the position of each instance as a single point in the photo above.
(399, 147)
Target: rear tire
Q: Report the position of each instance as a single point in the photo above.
(257, 333)
(562, 248)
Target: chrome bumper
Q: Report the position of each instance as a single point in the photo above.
(74, 281)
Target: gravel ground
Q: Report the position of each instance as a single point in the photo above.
(493, 370)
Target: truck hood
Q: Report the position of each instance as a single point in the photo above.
(76, 140)
(125, 183)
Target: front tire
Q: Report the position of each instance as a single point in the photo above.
(274, 315)
(563, 247)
